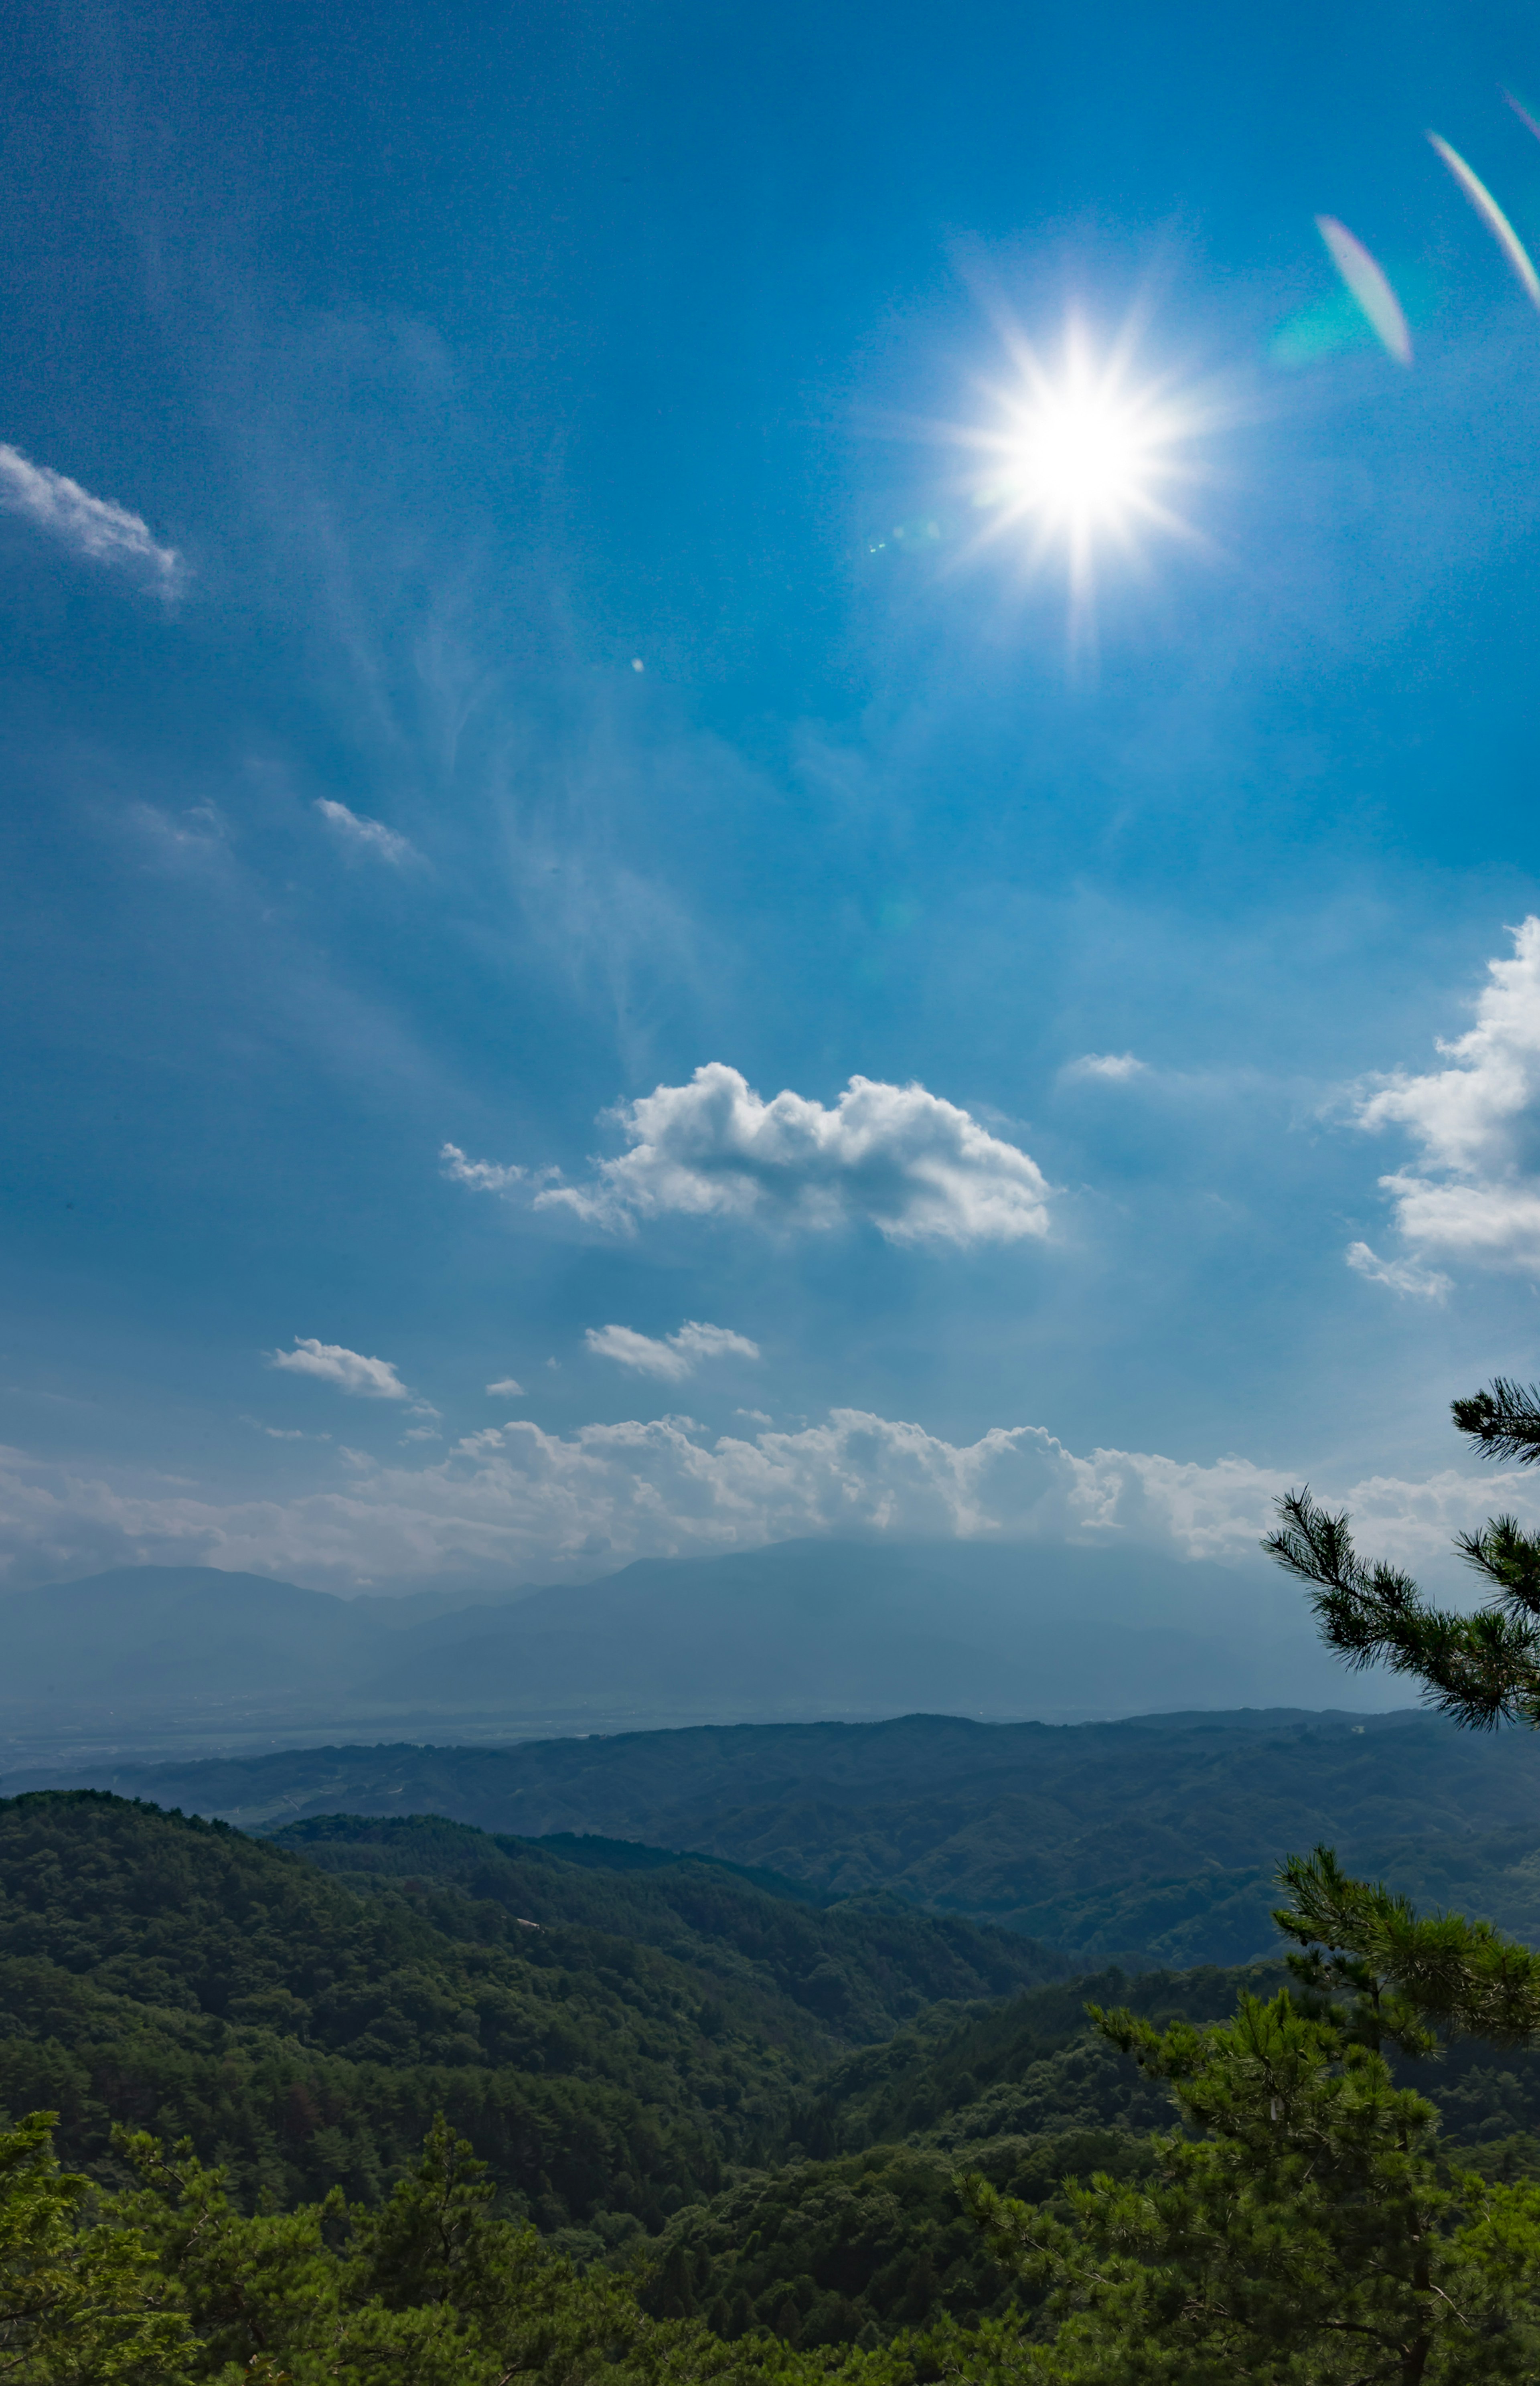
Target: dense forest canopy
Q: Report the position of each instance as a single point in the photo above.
(1152, 1841)
(749, 2116)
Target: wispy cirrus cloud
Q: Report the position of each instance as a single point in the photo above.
(89, 526)
(917, 1167)
(672, 1357)
(1400, 1276)
(329, 1362)
(1476, 1196)
(365, 835)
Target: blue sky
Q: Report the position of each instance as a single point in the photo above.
(445, 366)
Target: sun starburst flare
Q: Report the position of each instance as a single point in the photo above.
(1081, 457)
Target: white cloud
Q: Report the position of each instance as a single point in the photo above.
(367, 835)
(507, 1390)
(1401, 1276)
(370, 1379)
(1477, 1196)
(1114, 1068)
(516, 1504)
(105, 533)
(918, 1168)
(675, 1356)
(481, 1176)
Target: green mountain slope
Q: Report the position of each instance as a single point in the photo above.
(1155, 1840)
(859, 1967)
(161, 1970)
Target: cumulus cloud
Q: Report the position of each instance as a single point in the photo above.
(673, 1357)
(367, 1379)
(507, 1390)
(1476, 1194)
(918, 1168)
(1401, 1276)
(365, 835)
(1113, 1068)
(106, 533)
(516, 1504)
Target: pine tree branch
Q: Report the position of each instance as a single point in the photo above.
(1461, 1976)
(1505, 1421)
(1480, 1669)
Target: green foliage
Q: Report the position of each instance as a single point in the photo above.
(432, 2289)
(1504, 1421)
(1410, 1977)
(858, 1968)
(1028, 2068)
(79, 2305)
(857, 2249)
(653, 2067)
(157, 1969)
(1480, 1669)
(1306, 2234)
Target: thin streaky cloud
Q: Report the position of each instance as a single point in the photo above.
(90, 526)
(1398, 1275)
(366, 836)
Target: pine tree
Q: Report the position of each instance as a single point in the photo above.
(1482, 1669)
(1299, 2232)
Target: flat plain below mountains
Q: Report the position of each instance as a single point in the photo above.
(191, 1660)
(1152, 1840)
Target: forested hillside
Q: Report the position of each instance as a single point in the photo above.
(730, 2104)
(1152, 1840)
(160, 1969)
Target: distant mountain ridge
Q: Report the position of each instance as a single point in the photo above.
(798, 1631)
(1154, 1838)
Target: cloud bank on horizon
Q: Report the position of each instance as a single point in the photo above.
(515, 1504)
(918, 1168)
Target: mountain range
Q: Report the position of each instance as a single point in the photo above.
(199, 1659)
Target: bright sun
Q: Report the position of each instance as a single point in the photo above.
(1078, 457)
(1082, 458)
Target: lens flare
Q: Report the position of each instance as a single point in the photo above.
(1491, 216)
(1370, 288)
